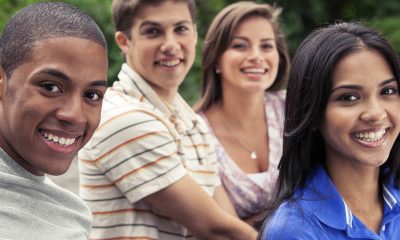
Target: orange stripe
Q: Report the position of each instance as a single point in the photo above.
(144, 166)
(141, 98)
(124, 238)
(203, 172)
(197, 145)
(121, 211)
(128, 174)
(131, 111)
(130, 210)
(123, 144)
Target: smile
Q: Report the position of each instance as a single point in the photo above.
(371, 136)
(56, 139)
(169, 63)
(254, 70)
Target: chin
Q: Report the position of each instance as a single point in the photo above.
(56, 172)
(60, 166)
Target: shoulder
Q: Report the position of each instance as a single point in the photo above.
(124, 115)
(128, 122)
(275, 100)
(289, 222)
(278, 96)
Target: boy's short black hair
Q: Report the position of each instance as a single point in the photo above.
(41, 21)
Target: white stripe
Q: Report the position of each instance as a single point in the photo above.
(392, 200)
(349, 215)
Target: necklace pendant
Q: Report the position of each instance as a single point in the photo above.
(253, 155)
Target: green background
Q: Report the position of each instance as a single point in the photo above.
(298, 18)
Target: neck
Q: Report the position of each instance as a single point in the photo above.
(361, 190)
(239, 111)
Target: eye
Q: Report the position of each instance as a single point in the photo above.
(348, 97)
(389, 91)
(51, 87)
(93, 96)
(239, 46)
(181, 29)
(267, 46)
(152, 32)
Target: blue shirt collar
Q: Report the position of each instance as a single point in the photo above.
(321, 199)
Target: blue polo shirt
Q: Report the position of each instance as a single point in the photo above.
(319, 212)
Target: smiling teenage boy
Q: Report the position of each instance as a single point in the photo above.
(50, 104)
(150, 170)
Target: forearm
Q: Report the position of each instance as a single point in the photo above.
(199, 212)
(233, 229)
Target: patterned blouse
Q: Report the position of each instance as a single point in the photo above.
(249, 197)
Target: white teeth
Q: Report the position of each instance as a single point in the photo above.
(60, 140)
(371, 136)
(254, 70)
(170, 63)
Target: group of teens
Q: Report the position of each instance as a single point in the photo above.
(268, 152)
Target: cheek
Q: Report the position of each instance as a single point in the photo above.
(338, 124)
(93, 117)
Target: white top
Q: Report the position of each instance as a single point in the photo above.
(259, 178)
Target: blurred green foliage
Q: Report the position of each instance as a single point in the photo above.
(297, 20)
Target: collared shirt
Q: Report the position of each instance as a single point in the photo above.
(319, 212)
(142, 146)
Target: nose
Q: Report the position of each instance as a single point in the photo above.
(170, 46)
(72, 112)
(374, 112)
(255, 55)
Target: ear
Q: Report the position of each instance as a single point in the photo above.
(122, 41)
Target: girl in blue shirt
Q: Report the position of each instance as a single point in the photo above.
(339, 173)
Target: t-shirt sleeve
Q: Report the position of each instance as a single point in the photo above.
(137, 152)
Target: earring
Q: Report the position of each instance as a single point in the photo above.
(217, 71)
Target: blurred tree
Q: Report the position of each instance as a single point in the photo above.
(298, 19)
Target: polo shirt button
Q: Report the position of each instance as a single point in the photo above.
(383, 228)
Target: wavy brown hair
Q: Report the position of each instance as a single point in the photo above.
(219, 37)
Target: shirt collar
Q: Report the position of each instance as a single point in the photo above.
(321, 199)
(131, 83)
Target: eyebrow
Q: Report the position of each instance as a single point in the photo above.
(65, 77)
(246, 39)
(358, 87)
(153, 23)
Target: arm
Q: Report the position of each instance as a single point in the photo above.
(188, 204)
(222, 199)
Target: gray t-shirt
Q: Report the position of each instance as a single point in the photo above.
(33, 207)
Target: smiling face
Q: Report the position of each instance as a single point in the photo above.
(361, 121)
(251, 60)
(162, 45)
(51, 104)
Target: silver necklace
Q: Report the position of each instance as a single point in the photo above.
(253, 153)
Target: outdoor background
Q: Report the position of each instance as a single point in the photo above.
(298, 18)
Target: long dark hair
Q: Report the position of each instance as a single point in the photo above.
(309, 86)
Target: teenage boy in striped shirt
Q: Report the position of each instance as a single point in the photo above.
(150, 170)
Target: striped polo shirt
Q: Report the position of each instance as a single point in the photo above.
(141, 146)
